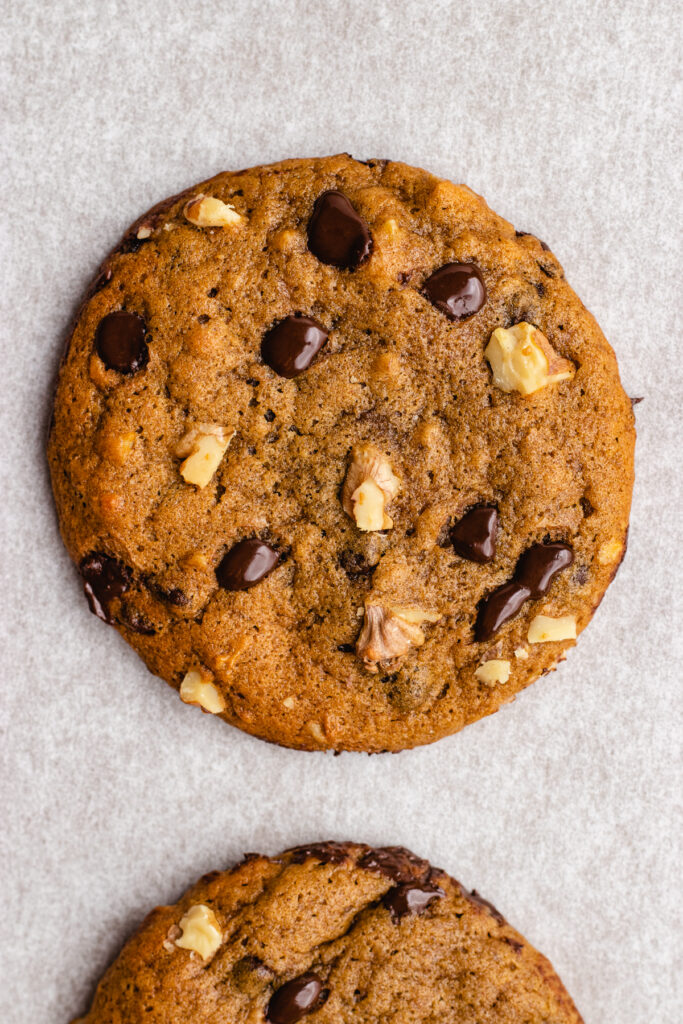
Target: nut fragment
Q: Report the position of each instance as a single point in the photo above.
(196, 689)
(202, 448)
(370, 484)
(144, 231)
(389, 632)
(201, 932)
(522, 359)
(521, 652)
(494, 671)
(545, 629)
(208, 212)
(610, 551)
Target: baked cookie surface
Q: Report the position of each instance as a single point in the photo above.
(340, 453)
(330, 933)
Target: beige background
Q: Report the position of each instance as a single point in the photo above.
(564, 808)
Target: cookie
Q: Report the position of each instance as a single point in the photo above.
(340, 453)
(327, 934)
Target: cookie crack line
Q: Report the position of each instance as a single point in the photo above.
(377, 307)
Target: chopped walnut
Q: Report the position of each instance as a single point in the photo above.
(522, 359)
(208, 212)
(497, 670)
(201, 932)
(389, 632)
(545, 629)
(370, 484)
(196, 689)
(202, 449)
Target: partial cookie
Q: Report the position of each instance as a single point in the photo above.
(340, 453)
(330, 933)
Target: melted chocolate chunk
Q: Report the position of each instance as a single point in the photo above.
(337, 235)
(104, 579)
(539, 564)
(291, 345)
(474, 897)
(474, 536)
(246, 564)
(535, 571)
(500, 606)
(456, 289)
(326, 853)
(396, 863)
(295, 999)
(410, 899)
(120, 341)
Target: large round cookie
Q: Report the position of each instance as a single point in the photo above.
(340, 453)
(326, 934)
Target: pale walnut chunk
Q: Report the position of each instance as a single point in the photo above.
(389, 631)
(208, 212)
(369, 486)
(546, 629)
(495, 671)
(197, 689)
(201, 932)
(522, 359)
(610, 551)
(202, 449)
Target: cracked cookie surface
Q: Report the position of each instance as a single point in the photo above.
(311, 419)
(327, 934)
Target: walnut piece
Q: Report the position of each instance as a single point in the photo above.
(201, 932)
(545, 629)
(492, 672)
(610, 551)
(370, 484)
(197, 689)
(522, 359)
(389, 632)
(202, 448)
(208, 212)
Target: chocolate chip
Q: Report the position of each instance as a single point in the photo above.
(337, 235)
(291, 345)
(539, 565)
(396, 863)
(295, 999)
(246, 564)
(474, 897)
(203, 318)
(474, 536)
(586, 507)
(269, 415)
(498, 608)
(136, 622)
(456, 289)
(104, 579)
(355, 566)
(534, 573)
(326, 853)
(212, 293)
(411, 899)
(120, 341)
(636, 401)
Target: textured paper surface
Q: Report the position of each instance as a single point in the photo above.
(564, 808)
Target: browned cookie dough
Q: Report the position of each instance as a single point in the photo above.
(340, 453)
(326, 934)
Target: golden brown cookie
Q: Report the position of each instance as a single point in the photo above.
(341, 453)
(326, 934)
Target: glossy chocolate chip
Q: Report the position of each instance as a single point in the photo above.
(120, 341)
(295, 999)
(539, 564)
(326, 853)
(498, 608)
(104, 579)
(337, 234)
(474, 536)
(395, 862)
(246, 564)
(456, 289)
(291, 345)
(412, 899)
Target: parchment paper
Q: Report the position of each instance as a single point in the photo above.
(564, 808)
